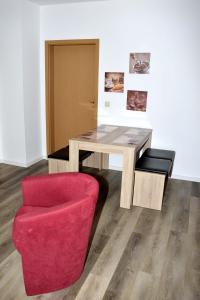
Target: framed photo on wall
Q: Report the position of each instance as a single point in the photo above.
(139, 63)
(136, 100)
(114, 82)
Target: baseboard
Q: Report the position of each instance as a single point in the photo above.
(175, 176)
(116, 168)
(24, 165)
(34, 161)
(13, 163)
(180, 177)
(111, 167)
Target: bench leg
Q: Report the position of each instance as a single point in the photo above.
(148, 190)
(97, 160)
(105, 161)
(58, 165)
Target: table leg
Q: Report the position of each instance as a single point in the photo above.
(73, 156)
(105, 161)
(148, 143)
(145, 146)
(127, 177)
(102, 160)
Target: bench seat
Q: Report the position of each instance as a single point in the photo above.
(63, 154)
(161, 154)
(58, 161)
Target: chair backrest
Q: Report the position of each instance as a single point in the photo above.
(54, 189)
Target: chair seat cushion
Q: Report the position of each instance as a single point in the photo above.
(155, 165)
(63, 154)
(160, 153)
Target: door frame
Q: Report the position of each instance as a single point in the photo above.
(49, 56)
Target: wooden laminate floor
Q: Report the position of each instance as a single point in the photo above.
(135, 254)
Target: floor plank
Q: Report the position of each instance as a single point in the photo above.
(137, 254)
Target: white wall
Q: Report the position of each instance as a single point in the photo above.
(1, 104)
(31, 80)
(1, 97)
(12, 116)
(20, 137)
(167, 29)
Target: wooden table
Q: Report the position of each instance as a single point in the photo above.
(109, 139)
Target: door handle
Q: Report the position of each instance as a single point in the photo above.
(92, 102)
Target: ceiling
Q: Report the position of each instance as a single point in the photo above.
(48, 2)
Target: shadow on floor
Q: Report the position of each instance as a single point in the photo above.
(103, 192)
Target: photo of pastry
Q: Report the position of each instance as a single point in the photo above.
(139, 63)
(114, 82)
(136, 100)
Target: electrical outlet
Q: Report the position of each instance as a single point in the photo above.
(107, 103)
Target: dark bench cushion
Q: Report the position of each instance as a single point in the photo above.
(159, 153)
(154, 165)
(63, 154)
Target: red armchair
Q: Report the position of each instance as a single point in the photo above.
(51, 230)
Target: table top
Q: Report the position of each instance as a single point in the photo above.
(116, 135)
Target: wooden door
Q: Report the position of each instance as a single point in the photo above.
(72, 90)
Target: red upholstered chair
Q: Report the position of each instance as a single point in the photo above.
(51, 230)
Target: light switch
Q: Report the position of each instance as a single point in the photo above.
(107, 103)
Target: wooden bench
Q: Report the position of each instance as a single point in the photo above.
(151, 174)
(59, 160)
